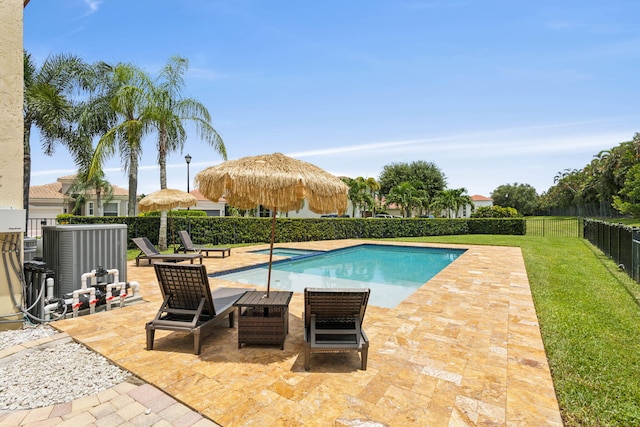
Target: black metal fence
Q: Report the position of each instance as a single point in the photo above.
(590, 210)
(619, 242)
(555, 227)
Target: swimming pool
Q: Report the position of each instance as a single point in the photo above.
(391, 272)
(288, 252)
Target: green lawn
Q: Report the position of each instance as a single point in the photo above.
(589, 317)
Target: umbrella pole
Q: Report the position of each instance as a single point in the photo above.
(273, 234)
(171, 230)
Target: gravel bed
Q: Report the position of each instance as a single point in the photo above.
(51, 375)
(19, 336)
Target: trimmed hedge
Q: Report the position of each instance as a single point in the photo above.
(515, 226)
(232, 230)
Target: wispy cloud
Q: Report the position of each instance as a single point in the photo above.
(492, 143)
(93, 6)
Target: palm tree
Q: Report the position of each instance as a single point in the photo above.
(167, 112)
(443, 201)
(373, 187)
(406, 196)
(359, 194)
(462, 199)
(83, 187)
(48, 104)
(451, 200)
(423, 202)
(123, 106)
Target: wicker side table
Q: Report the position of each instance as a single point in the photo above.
(263, 320)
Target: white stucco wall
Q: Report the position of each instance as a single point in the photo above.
(38, 212)
(210, 207)
(466, 212)
(306, 213)
(11, 161)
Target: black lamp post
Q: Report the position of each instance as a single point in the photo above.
(187, 158)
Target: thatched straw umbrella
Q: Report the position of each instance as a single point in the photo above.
(276, 182)
(165, 200)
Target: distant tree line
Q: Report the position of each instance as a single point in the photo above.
(608, 186)
(417, 189)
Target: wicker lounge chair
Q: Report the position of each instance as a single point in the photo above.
(188, 246)
(333, 322)
(150, 252)
(189, 305)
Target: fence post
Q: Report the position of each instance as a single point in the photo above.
(635, 253)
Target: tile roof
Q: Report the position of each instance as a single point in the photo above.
(47, 191)
(198, 195)
(54, 190)
(479, 198)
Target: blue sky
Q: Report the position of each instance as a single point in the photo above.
(491, 91)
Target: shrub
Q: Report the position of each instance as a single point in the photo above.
(235, 230)
(495, 212)
(64, 218)
(175, 213)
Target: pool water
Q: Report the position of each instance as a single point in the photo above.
(391, 272)
(288, 252)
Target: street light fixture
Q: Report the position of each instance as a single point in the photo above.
(187, 158)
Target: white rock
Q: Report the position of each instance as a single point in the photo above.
(48, 376)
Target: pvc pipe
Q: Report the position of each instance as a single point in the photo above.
(135, 286)
(92, 273)
(116, 274)
(49, 288)
(48, 309)
(84, 277)
(76, 300)
(122, 286)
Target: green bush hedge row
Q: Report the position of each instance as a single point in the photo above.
(231, 230)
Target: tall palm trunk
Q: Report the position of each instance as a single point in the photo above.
(133, 184)
(98, 202)
(162, 160)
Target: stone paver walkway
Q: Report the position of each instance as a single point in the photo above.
(463, 350)
(133, 402)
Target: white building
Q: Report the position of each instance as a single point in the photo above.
(210, 207)
(478, 201)
(49, 200)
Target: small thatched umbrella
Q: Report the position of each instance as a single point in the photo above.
(276, 182)
(165, 200)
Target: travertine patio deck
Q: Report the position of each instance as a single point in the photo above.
(465, 349)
